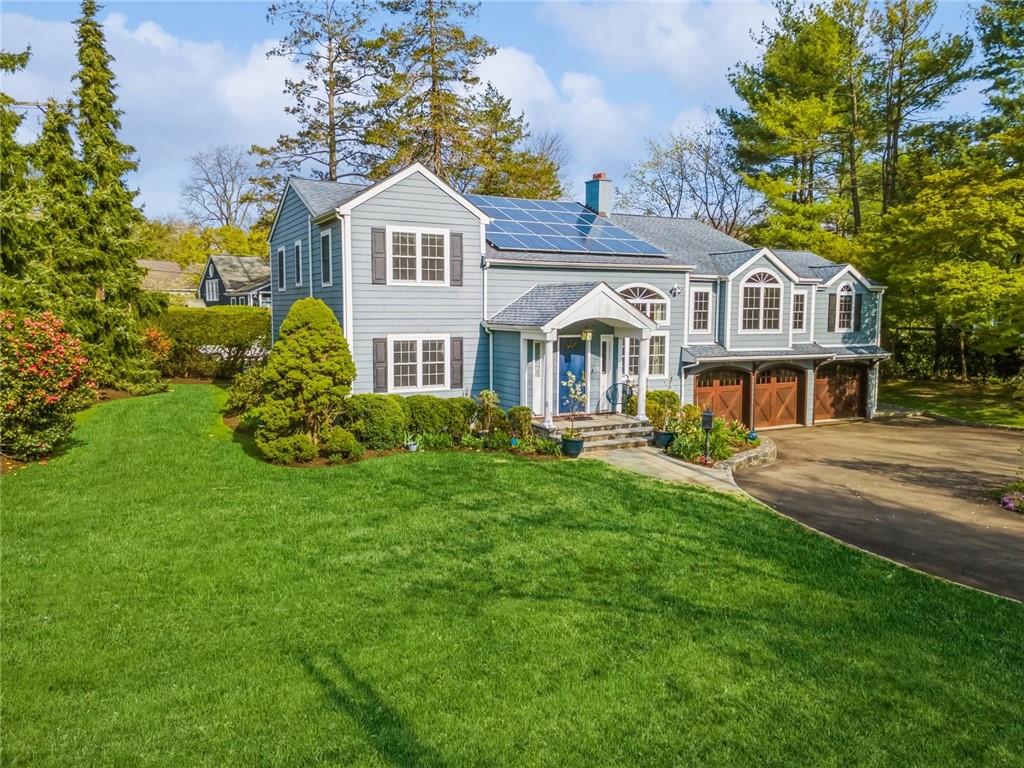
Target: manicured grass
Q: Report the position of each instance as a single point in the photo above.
(169, 600)
(984, 403)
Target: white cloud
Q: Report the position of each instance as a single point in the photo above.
(602, 135)
(178, 96)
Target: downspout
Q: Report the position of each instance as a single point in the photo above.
(309, 252)
(490, 335)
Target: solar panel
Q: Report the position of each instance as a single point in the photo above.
(553, 225)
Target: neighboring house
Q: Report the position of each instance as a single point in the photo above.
(241, 280)
(168, 277)
(451, 294)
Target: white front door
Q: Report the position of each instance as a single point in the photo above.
(536, 376)
(605, 379)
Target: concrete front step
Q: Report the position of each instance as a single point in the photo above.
(611, 444)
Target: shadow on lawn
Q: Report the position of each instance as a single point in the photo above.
(384, 728)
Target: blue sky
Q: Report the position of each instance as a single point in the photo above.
(605, 75)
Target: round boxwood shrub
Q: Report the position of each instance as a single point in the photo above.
(339, 442)
(379, 422)
(427, 414)
(520, 422)
(289, 449)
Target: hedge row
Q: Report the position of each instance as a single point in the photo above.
(214, 341)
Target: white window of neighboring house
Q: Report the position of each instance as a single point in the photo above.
(648, 300)
(700, 316)
(800, 310)
(212, 290)
(762, 303)
(844, 308)
(418, 256)
(297, 256)
(657, 355)
(418, 362)
(326, 259)
(280, 269)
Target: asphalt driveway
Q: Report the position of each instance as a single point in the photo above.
(913, 489)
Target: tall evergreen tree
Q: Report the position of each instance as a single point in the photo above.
(1000, 26)
(19, 228)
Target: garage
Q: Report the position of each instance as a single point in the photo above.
(778, 397)
(840, 391)
(724, 391)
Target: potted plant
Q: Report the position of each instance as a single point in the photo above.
(576, 399)
(659, 417)
(411, 443)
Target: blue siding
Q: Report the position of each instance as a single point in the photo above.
(332, 295)
(292, 226)
(507, 368)
(869, 318)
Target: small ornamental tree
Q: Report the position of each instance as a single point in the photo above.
(308, 375)
(43, 376)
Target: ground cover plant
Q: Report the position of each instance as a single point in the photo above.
(987, 403)
(171, 599)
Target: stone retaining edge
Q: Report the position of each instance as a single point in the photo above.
(763, 454)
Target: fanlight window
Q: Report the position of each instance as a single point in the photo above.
(762, 302)
(844, 316)
(648, 301)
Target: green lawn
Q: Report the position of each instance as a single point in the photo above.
(985, 403)
(170, 600)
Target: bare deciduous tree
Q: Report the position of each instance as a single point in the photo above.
(552, 146)
(693, 173)
(220, 188)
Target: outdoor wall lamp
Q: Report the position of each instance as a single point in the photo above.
(586, 334)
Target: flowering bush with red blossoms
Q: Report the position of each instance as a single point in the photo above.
(42, 383)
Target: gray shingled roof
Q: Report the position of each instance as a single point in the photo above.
(322, 196)
(541, 304)
(687, 241)
(715, 351)
(241, 273)
(168, 276)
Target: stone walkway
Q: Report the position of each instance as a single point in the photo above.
(652, 462)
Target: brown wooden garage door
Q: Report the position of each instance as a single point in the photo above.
(839, 391)
(724, 391)
(778, 397)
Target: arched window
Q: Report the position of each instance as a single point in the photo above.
(648, 300)
(762, 302)
(844, 313)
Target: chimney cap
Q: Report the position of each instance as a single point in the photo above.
(600, 175)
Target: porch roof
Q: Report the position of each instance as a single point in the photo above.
(716, 352)
(555, 305)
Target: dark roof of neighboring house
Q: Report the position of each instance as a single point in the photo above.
(717, 352)
(322, 195)
(241, 273)
(168, 276)
(542, 303)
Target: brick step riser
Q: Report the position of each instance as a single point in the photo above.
(614, 447)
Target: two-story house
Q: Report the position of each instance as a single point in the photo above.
(450, 294)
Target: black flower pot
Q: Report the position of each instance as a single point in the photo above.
(663, 439)
(572, 447)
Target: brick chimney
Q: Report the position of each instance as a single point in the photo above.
(600, 190)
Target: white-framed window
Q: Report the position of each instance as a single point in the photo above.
(326, 259)
(297, 257)
(212, 290)
(657, 365)
(700, 310)
(417, 255)
(762, 303)
(280, 269)
(648, 300)
(844, 308)
(418, 362)
(799, 310)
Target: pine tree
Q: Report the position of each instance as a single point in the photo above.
(1000, 26)
(19, 228)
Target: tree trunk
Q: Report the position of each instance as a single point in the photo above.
(332, 128)
(963, 356)
(436, 127)
(852, 150)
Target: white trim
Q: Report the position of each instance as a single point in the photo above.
(690, 303)
(813, 319)
(589, 265)
(766, 253)
(761, 330)
(390, 229)
(419, 338)
(624, 367)
(330, 259)
(664, 297)
(282, 268)
(878, 319)
(839, 310)
(728, 313)
(211, 289)
(686, 309)
(346, 282)
(297, 258)
(792, 309)
(761, 358)
(402, 175)
(849, 269)
(617, 309)
(604, 379)
(782, 314)
(280, 205)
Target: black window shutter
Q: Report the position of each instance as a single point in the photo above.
(858, 306)
(456, 258)
(380, 365)
(378, 255)
(456, 362)
(831, 313)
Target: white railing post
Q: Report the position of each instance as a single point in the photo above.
(645, 361)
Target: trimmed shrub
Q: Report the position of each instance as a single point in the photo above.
(726, 437)
(44, 383)
(214, 341)
(520, 422)
(307, 377)
(378, 421)
(666, 398)
(461, 412)
(246, 391)
(289, 449)
(339, 442)
(427, 414)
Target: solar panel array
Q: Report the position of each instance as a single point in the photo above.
(562, 227)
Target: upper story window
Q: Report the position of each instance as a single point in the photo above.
(280, 269)
(762, 302)
(649, 301)
(297, 256)
(418, 256)
(212, 290)
(800, 311)
(844, 308)
(700, 317)
(326, 259)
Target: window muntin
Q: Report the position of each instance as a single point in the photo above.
(762, 302)
(701, 312)
(212, 290)
(433, 362)
(799, 311)
(406, 369)
(844, 308)
(419, 362)
(657, 357)
(326, 259)
(418, 256)
(280, 269)
(648, 301)
(297, 257)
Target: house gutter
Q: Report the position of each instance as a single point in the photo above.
(487, 330)
(309, 252)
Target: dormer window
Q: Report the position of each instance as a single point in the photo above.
(762, 302)
(844, 313)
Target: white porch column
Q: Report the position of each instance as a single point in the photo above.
(641, 384)
(549, 381)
